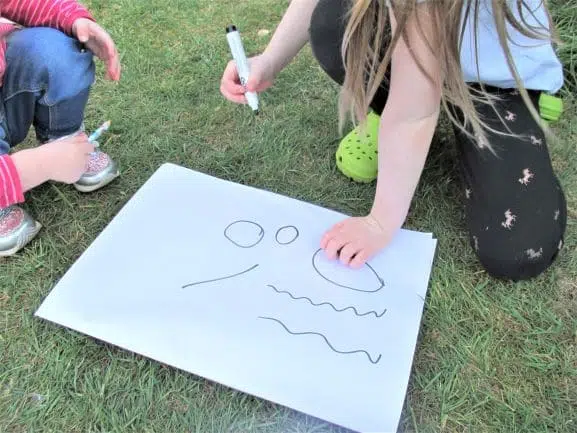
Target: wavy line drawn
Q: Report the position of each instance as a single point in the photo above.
(259, 235)
(377, 276)
(286, 228)
(220, 278)
(324, 338)
(377, 315)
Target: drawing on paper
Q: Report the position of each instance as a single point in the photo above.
(221, 278)
(310, 301)
(286, 235)
(378, 279)
(248, 234)
(229, 305)
(243, 234)
(349, 352)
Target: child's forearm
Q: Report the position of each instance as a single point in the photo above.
(291, 34)
(403, 149)
(30, 167)
(408, 121)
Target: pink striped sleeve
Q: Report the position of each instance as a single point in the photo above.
(59, 14)
(10, 186)
(5, 29)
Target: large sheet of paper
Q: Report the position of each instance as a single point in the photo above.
(227, 282)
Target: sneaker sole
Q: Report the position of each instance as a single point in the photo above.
(91, 188)
(23, 240)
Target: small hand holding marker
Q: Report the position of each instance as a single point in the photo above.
(239, 56)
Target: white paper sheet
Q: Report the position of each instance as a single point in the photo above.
(291, 327)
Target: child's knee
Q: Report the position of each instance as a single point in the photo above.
(519, 259)
(42, 53)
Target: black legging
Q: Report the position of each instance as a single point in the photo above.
(515, 208)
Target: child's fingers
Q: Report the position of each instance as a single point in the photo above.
(113, 61)
(114, 68)
(254, 80)
(230, 78)
(333, 247)
(232, 88)
(359, 259)
(230, 73)
(88, 148)
(232, 91)
(239, 98)
(108, 53)
(324, 241)
(331, 233)
(82, 32)
(348, 252)
(79, 141)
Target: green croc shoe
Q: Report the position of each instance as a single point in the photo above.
(357, 155)
(550, 107)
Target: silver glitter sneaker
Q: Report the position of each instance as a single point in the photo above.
(17, 228)
(100, 171)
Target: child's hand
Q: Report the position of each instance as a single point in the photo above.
(261, 78)
(100, 43)
(65, 160)
(357, 238)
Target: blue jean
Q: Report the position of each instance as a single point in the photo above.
(46, 85)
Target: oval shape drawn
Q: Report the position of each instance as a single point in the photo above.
(365, 279)
(287, 235)
(244, 234)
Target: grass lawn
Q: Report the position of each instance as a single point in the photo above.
(492, 356)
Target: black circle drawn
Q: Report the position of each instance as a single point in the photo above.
(377, 276)
(292, 240)
(261, 233)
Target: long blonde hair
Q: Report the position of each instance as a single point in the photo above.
(365, 65)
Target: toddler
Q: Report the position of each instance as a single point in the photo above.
(46, 71)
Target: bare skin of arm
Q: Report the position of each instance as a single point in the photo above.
(291, 34)
(61, 160)
(407, 125)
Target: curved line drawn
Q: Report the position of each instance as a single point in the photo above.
(297, 234)
(377, 315)
(221, 278)
(381, 281)
(324, 338)
(260, 234)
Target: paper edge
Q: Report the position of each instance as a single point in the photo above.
(172, 166)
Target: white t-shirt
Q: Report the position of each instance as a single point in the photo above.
(536, 61)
